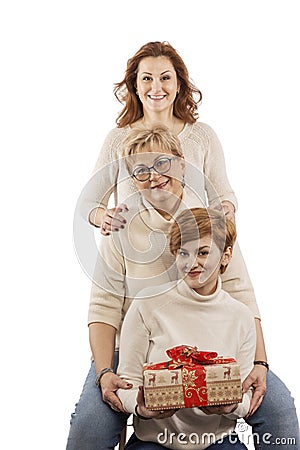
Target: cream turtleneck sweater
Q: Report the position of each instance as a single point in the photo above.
(139, 257)
(179, 316)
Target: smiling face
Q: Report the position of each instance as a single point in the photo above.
(161, 189)
(157, 84)
(199, 262)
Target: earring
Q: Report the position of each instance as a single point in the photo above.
(183, 181)
(137, 93)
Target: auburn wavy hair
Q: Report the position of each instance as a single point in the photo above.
(186, 103)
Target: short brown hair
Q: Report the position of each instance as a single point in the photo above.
(186, 103)
(196, 222)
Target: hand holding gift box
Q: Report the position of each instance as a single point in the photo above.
(190, 379)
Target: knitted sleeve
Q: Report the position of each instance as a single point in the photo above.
(134, 346)
(104, 179)
(236, 281)
(217, 185)
(108, 291)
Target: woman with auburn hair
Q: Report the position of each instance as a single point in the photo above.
(185, 105)
(156, 89)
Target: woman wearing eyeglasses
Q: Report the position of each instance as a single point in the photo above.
(136, 257)
(156, 89)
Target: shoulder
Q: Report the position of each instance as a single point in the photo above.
(116, 136)
(149, 301)
(237, 308)
(198, 132)
(110, 150)
(156, 295)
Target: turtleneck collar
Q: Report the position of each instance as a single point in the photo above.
(154, 220)
(186, 291)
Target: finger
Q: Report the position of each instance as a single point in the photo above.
(111, 214)
(112, 223)
(206, 411)
(122, 207)
(118, 221)
(114, 402)
(256, 400)
(140, 397)
(254, 407)
(114, 212)
(108, 226)
(248, 383)
(122, 384)
(166, 414)
(104, 231)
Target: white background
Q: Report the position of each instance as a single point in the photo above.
(59, 62)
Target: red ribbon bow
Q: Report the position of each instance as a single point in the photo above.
(185, 355)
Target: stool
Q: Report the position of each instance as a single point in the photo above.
(123, 438)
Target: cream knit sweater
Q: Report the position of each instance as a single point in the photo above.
(179, 316)
(203, 155)
(139, 257)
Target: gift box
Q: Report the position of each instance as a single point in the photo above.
(191, 379)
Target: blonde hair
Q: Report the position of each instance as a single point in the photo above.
(141, 140)
(196, 222)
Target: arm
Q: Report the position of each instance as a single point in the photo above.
(236, 281)
(102, 342)
(245, 359)
(133, 354)
(217, 185)
(108, 296)
(256, 379)
(257, 376)
(105, 315)
(134, 348)
(103, 181)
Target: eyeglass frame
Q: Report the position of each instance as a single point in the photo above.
(170, 159)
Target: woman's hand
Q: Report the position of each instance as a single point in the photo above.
(110, 383)
(220, 410)
(146, 413)
(229, 210)
(112, 220)
(257, 380)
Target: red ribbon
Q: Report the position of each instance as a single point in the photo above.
(185, 355)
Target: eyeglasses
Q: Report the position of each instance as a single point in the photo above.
(161, 166)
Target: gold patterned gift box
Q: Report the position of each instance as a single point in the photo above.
(190, 379)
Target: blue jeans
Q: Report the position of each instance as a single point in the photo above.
(275, 422)
(95, 426)
(229, 442)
